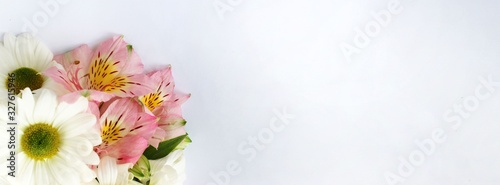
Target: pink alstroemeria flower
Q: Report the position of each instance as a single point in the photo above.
(165, 104)
(113, 69)
(126, 130)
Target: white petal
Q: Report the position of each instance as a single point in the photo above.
(3, 97)
(45, 106)
(65, 110)
(91, 159)
(79, 146)
(41, 173)
(83, 148)
(3, 78)
(61, 172)
(123, 174)
(107, 171)
(94, 136)
(6, 180)
(26, 170)
(9, 42)
(93, 182)
(77, 125)
(43, 57)
(75, 168)
(22, 51)
(8, 62)
(168, 170)
(174, 157)
(157, 165)
(26, 105)
(85, 173)
(30, 52)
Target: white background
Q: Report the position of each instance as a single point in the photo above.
(353, 120)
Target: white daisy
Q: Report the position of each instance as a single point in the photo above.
(56, 140)
(25, 57)
(169, 170)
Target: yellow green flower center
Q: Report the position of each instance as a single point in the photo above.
(26, 77)
(40, 141)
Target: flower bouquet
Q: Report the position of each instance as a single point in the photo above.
(88, 116)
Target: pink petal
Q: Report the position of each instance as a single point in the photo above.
(99, 95)
(128, 149)
(145, 126)
(163, 80)
(60, 76)
(134, 85)
(179, 99)
(70, 97)
(117, 50)
(78, 58)
(157, 137)
(175, 133)
(75, 64)
(94, 109)
(124, 109)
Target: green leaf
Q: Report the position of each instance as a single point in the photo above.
(164, 148)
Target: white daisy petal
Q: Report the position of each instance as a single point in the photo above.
(86, 174)
(94, 136)
(22, 51)
(78, 167)
(92, 159)
(3, 86)
(77, 125)
(26, 169)
(41, 173)
(78, 146)
(4, 180)
(3, 97)
(26, 46)
(43, 56)
(65, 111)
(26, 105)
(45, 106)
(61, 172)
(9, 41)
(6, 55)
